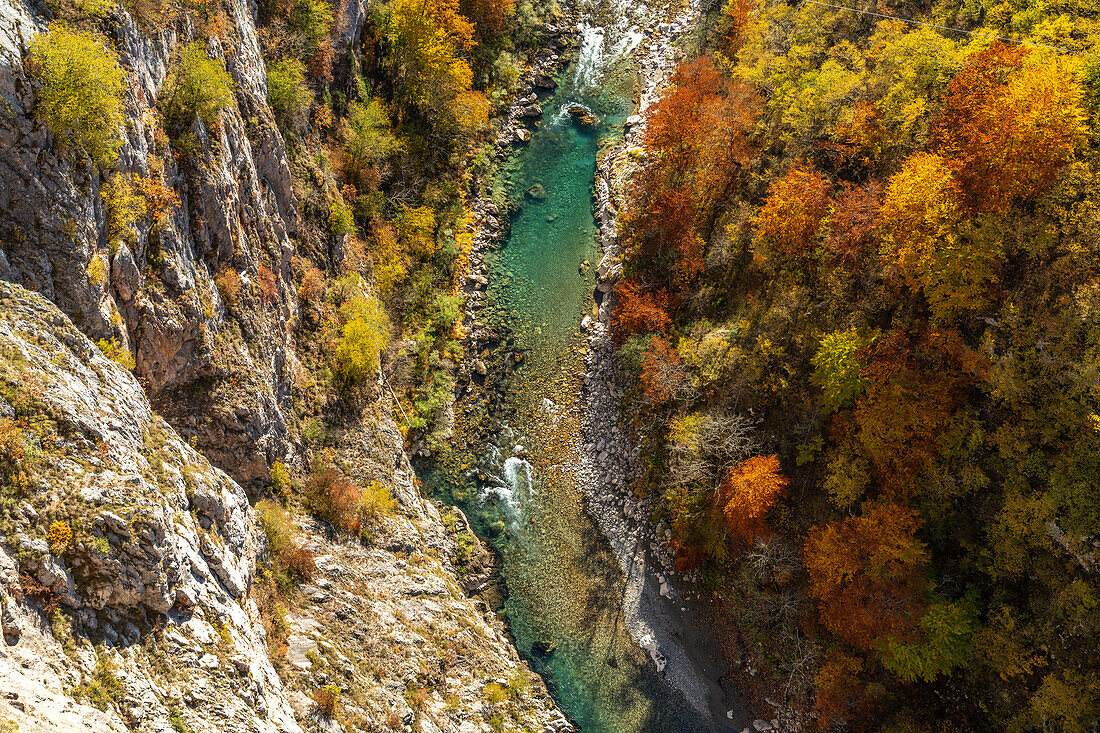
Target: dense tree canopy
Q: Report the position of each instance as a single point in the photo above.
(890, 277)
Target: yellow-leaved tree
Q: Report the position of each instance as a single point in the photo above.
(793, 212)
(80, 99)
(426, 38)
(924, 237)
(365, 333)
(749, 491)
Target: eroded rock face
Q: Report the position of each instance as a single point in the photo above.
(154, 576)
(155, 291)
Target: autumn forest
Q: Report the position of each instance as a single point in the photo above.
(861, 316)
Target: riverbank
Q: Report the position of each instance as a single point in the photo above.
(588, 621)
(663, 613)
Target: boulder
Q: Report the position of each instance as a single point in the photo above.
(584, 116)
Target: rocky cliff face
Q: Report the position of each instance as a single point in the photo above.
(155, 293)
(128, 547)
(128, 558)
(126, 577)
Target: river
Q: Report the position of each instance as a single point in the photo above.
(517, 439)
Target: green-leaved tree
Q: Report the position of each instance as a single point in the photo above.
(198, 86)
(80, 97)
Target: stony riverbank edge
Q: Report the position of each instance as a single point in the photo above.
(609, 458)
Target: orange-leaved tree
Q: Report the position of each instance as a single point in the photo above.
(748, 492)
(638, 309)
(796, 204)
(492, 17)
(867, 573)
(854, 223)
(907, 404)
(841, 697)
(662, 375)
(1008, 126)
(696, 140)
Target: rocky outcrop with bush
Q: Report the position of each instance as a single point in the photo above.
(214, 218)
(140, 592)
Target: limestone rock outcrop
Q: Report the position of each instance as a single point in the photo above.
(144, 549)
(128, 596)
(155, 292)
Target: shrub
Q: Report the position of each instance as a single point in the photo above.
(179, 725)
(268, 285)
(340, 220)
(123, 207)
(367, 138)
(416, 228)
(290, 558)
(160, 200)
(280, 479)
(327, 699)
(152, 15)
(15, 449)
(334, 499)
(59, 535)
(198, 86)
(103, 689)
(376, 501)
(313, 19)
(228, 283)
(117, 353)
(97, 270)
(365, 333)
(312, 286)
(286, 89)
(80, 99)
(81, 9)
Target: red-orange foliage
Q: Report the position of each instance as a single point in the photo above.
(335, 499)
(161, 201)
(662, 373)
(687, 557)
(269, 287)
(696, 136)
(867, 574)
(1008, 127)
(680, 121)
(737, 13)
(491, 17)
(792, 213)
(854, 222)
(675, 215)
(639, 310)
(841, 697)
(907, 405)
(859, 138)
(749, 492)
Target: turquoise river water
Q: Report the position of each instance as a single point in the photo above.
(562, 588)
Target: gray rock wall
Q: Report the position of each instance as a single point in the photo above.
(159, 297)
